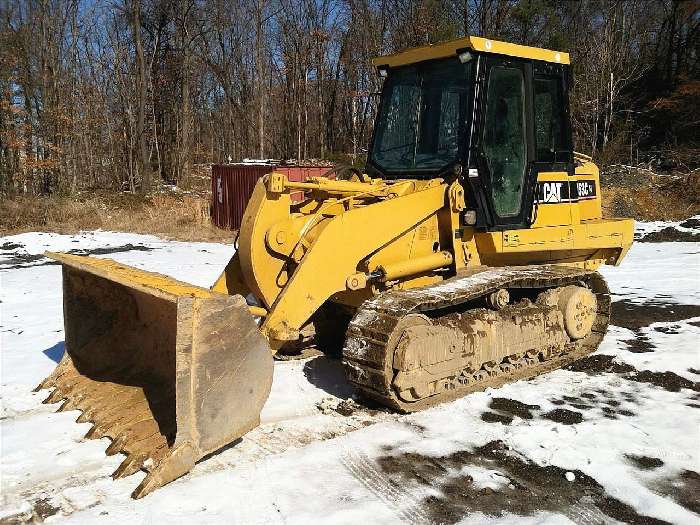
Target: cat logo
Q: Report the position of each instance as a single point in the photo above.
(551, 191)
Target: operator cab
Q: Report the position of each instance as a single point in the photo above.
(496, 114)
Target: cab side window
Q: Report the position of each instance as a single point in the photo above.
(549, 119)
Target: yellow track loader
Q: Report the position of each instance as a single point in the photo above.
(463, 256)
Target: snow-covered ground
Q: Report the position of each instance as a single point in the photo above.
(597, 445)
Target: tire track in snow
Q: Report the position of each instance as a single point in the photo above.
(406, 505)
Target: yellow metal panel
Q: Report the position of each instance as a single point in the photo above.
(422, 53)
(604, 239)
(231, 281)
(600, 233)
(515, 50)
(538, 239)
(485, 45)
(416, 242)
(553, 214)
(260, 268)
(590, 208)
(148, 282)
(338, 250)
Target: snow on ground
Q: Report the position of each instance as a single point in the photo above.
(627, 441)
(690, 225)
(657, 272)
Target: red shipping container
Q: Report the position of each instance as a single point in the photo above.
(232, 185)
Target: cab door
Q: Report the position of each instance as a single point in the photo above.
(506, 144)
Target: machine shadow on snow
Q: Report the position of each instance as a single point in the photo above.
(55, 353)
(23, 260)
(328, 374)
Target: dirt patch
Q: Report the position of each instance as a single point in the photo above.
(603, 402)
(648, 196)
(666, 380)
(576, 402)
(347, 407)
(10, 246)
(564, 416)
(683, 488)
(609, 413)
(634, 316)
(513, 407)
(671, 330)
(644, 462)
(598, 364)
(493, 417)
(531, 488)
(691, 223)
(603, 392)
(41, 509)
(640, 345)
(670, 234)
(687, 495)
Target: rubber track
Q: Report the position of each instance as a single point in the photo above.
(368, 358)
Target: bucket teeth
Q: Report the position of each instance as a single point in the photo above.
(148, 485)
(44, 385)
(117, 445)
(85, 417)
(51, 380)
(66, 405)
(54, 397)
(131, 464)
(93, 433)
(72, 402)
(108, 411)
(148, 444)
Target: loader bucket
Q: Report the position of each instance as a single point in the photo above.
(169, 371)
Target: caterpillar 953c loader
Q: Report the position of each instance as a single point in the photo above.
(463, 256)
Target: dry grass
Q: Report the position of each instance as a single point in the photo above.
(626, 193)
(170, 216)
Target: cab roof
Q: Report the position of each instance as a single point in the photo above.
(475, 43)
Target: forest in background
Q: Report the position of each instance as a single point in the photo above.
(116, 95)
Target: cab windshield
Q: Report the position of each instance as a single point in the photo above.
(422, 118)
